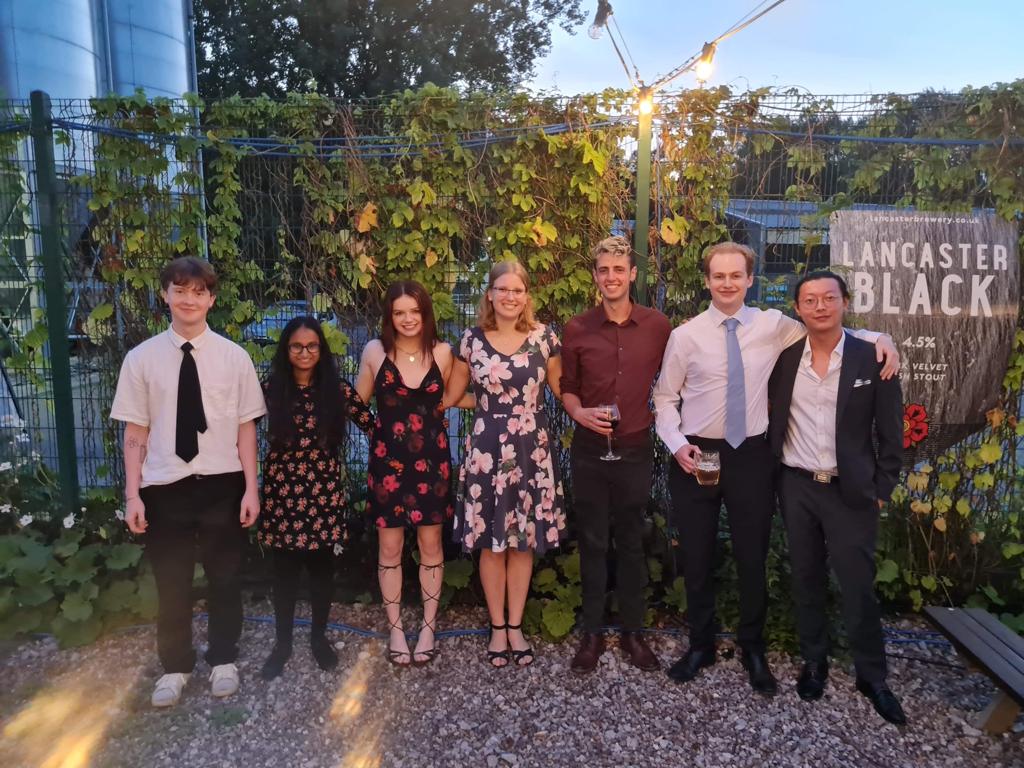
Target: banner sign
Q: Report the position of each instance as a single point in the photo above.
(946, 288)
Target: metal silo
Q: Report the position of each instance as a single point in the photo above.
(149, 46)
(49, 46)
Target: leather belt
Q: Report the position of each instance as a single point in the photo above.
(818, 477)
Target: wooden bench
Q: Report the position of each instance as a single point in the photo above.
(987, 644)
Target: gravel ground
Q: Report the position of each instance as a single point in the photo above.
(91, 707)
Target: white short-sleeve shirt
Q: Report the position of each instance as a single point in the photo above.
(147, 395)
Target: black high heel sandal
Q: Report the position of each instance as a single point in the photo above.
(431, 653)
(526, 653)
(493, 656)
(393, 655)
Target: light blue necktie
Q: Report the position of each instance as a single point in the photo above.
(735, 391)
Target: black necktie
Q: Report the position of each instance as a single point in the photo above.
(191, 417)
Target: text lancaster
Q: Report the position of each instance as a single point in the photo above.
(957, 292)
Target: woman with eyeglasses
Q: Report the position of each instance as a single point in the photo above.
(308, 407)
(409, 472)
(510, 501)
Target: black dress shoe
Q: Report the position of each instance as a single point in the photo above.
(761, 678)
(688, 667)
(811, 683)
(274, 665)
(884, 701)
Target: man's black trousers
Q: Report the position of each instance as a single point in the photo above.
(611, 496)
(196, 514)
(820, 525)
(745, 487)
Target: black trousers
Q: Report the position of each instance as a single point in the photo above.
(196, 513)
(745, 486)
(288, 565)
(611, 496)
(820, 526)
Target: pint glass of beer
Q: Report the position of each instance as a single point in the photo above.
(708, 468)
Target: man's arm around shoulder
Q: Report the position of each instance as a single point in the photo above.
(889, 431)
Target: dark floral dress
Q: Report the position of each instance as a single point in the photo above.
(303, 488)
(510, 493)
(410, 466)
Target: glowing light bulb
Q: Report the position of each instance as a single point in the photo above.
(704, 67)
(645, 105)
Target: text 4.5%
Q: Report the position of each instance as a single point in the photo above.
(919, 342)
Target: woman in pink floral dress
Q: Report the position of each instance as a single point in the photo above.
(510, 501)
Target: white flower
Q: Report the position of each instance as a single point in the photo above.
(338, 549)
(5, 509)
(6, 466)
(22, 437)
(69, 521)
(25, 520)
(119, 514)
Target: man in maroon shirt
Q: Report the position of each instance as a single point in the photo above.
(611, 354)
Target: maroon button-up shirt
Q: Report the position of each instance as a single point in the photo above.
(605, 362)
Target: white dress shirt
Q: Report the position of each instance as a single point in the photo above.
(689, 398)
(811, 434)
(147, 395)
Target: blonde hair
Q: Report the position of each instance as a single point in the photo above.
(729, 247)
(485, 311)
(615, 245)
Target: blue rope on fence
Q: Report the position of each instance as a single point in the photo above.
(1007, 141)
(369, 147)
(15, 127)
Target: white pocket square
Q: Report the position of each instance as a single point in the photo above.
(861, 382)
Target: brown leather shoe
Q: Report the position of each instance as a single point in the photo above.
(639, 653)
(589, 653)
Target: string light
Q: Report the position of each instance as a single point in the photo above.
(604, 10)
(702, 69)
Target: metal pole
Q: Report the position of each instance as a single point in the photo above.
(48, 209)
(193, 84)
(643, 195)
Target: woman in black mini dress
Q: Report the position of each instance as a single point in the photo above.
(409, 473)
(302, 520)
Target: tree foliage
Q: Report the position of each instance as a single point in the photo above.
(354, 48)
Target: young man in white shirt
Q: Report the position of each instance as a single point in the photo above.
(190, 400)
(712, 395)
(837, 428)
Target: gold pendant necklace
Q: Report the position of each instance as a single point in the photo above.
(412, 356)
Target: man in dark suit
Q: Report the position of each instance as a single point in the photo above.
(828, 404)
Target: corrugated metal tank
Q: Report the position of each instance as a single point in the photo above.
(49, 45)
(149, 48)
(85, 48)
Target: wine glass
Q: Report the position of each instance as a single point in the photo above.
(613, 415)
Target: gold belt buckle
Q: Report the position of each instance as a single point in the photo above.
(822, 477)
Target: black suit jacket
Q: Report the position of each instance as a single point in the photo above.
(869, 410)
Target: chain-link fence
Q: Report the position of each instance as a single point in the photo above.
(132, 187)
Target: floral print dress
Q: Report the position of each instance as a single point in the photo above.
(303, 489)
(510, 493)
(410, 465)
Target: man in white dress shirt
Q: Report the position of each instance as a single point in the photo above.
(829, 410)
(712, 395)
(190, 400)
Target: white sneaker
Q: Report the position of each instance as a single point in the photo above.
(168, 689)
(224, 680)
